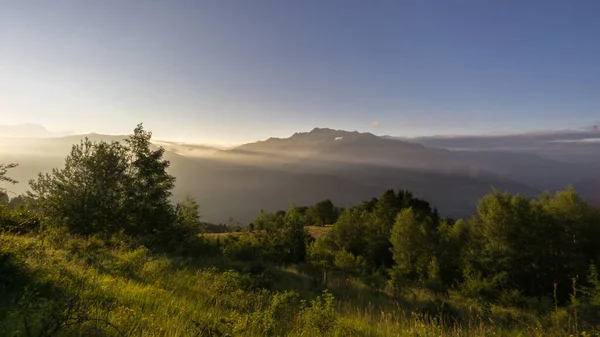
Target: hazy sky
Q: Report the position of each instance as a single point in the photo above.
(235, 71)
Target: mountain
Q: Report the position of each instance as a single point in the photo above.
(589, 188)
(336, 146)
(29, 130)
(326, 145)
(344, 166)
(447, 178)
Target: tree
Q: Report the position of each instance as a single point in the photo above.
(268, 221)
(517, 244)
(408, 238)
(349, 232)
(295, 236)
(148, 204)
(321, 256)
(187, 219)
(454, 240)
(108, 187)
(322, 213)
(86, 195)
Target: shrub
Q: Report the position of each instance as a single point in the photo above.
(319, 318)
(278, 318)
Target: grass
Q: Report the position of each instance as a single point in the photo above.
(118, 290)
(318, 231)
(314, 231)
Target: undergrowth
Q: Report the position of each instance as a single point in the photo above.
(63, 285)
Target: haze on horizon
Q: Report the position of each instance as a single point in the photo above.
(231, 72)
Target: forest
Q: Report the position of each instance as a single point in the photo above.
(99, 248)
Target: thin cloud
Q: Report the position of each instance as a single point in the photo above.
(375, 124)
(534, 139)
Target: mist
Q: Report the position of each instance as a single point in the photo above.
(343, 166)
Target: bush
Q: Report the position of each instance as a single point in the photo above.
(242, 248)
(18, 220)
(278, 318)
(319, 318)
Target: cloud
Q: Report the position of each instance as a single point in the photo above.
(189, 146)
(375, 124)
(517, 141)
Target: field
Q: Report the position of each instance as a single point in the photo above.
(79, 286)
(314, 231)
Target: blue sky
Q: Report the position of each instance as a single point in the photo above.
(237, 71)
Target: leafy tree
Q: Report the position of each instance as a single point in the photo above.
(284, 238)
(367, 205)
(408, 239)
(346, 261)
(593, 290)
(454, 242)
(321, 256)
(268, 221)
(349, 232)
(322, 213)
(294, 235)
(147, 202)
(87, 195)
(187, 220)
(108, 187)
(524, 245)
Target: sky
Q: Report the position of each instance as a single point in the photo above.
(228, 72)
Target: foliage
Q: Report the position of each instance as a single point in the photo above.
(107, 188)
(529, 244)
(19, 219)
(149, 209)
(4, 170)
(319, 317)
(322, 213)
(88, 194)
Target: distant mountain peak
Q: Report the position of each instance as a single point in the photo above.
(333, 133)
(317, 130)
(27, 130)
(336, 131)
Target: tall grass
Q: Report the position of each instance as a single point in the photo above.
(72, 286)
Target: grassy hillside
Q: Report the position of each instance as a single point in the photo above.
(63, 285)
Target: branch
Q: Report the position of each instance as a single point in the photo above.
(3, 169)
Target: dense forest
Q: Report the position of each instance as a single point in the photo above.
(98, 248)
